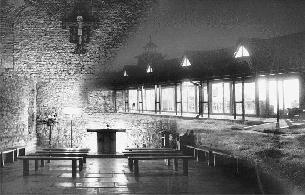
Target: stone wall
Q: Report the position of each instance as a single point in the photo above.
(18, 110)
(47, 79)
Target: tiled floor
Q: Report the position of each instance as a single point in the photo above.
(112, 176)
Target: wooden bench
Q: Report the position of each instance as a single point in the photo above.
(185, 159)
(131, 154)
(26, 163)
(67, 149)
(133, 149)
(215, 157)
(295, 113)
(6, 156)
(152, 151)
(58, 153)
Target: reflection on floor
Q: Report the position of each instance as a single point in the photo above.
(112, 176)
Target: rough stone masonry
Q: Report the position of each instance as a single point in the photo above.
(40, 75)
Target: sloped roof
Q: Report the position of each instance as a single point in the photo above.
(278, 54)
(274, 55)
(215, 63)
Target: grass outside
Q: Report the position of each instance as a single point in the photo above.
(282, 155)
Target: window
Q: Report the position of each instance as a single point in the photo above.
(188, 97)
(262, 87)
(149, 99)
(241, 52)
(238, 98)
(185, 61)
(178, 100)
(205, 98)
(120, 101)
(291, 93)
(250, 98)
(217, 98)
(288, 90)
(168, 99)
(132, 97)
(221, 94)
(140, 99)
(149, 69)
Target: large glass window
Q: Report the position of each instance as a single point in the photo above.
(157, 97)
(217, 98)
(149, 99)
(262, 87)
(188, 97)
(227, 97)
(291, 91)
(132, 97)
(221, 94)
(168, 99)
(120, 101)
(273, 96)
(288, 90)
(238, 97)
(140, 99)
(250, 98)
(205, 98)
(179, 103)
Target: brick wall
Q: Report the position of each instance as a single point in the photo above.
(46, 77)
(17, 103)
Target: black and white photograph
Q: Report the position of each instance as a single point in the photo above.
(152, 97)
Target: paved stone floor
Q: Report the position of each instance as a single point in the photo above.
(112, 176)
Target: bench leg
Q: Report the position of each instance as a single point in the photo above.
(1, 160)
(185, 166)
(36, 165)
(84, 159)
(11, 156)
(42, 163)
(16, 155)
(237, 169)
(26, 167)
(175, 164)
(130, 163)
(80, 165)
(48, 161)
(168, 163)
(136, 167)
(74, 168)
(211, 159)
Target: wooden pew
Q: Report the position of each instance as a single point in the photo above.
(151, 151)
(6, 156)
(185, 159)
(131, 154)
(134, 149)
(67, 149)
(57, 153)
(26, 163)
